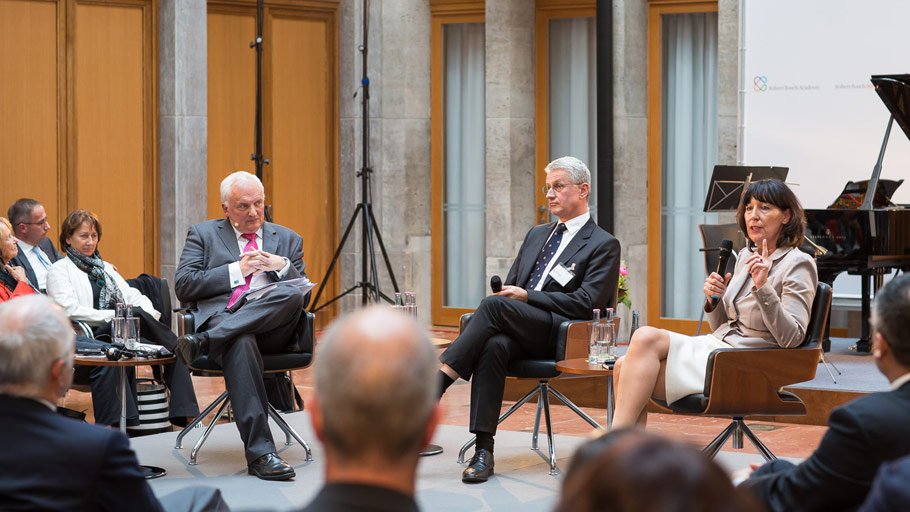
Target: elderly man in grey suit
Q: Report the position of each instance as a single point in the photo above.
(221, 259)
(36, 251)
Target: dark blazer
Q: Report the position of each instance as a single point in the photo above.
(595, 255)
(346, 497)
(54, 463)
(202, 274)
(890, 490)
(21, 260)
(861, 436)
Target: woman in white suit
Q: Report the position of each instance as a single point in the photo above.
(766, 302)
(89, 288)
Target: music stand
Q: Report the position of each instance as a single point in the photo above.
(729, 181)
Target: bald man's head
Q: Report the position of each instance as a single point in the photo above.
(376, 383)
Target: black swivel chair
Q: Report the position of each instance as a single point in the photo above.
(745, 382)
(571, 343)
(272, 363)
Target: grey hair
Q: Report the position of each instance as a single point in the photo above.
(34, 333)
(21, 211)
(236, 178)
(575, 167)
(376, 383)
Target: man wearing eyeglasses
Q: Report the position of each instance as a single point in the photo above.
(562, 272)
(36, 251)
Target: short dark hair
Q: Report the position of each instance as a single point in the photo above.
(891, 316)
(637, 470)
(20, 211)
(73, 221)
(777, 193)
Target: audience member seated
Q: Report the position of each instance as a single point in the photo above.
(766, 302)
(373, 426)
(221, 259)
(13, 282)
(36, 251)
(890, 491)
(629, 470)
(88, 289)
(862, 434)
(55, 463)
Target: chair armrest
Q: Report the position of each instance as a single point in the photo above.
(572, 340)
(748, 379)
(82, 328)
(186, 321)
(463, 322)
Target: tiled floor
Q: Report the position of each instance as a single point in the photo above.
(785, 440)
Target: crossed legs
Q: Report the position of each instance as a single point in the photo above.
(639, 375)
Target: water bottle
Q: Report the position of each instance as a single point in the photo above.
(117, 332)
(635, 320)
(592, 341)
(607, 342)
(131, 329)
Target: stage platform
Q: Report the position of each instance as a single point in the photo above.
(858, 377)
(522, 481)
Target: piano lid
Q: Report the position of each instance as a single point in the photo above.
(855, 193)
(894, 90)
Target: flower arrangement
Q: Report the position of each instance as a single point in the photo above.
(623, 285)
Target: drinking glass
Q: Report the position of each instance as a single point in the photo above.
(593, 355)
(130, 331)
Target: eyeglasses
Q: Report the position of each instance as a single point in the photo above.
(557, 187)
(39, 223)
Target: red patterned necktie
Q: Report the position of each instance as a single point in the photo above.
(250, 246)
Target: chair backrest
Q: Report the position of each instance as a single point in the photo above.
(818, 318)
(712, 235)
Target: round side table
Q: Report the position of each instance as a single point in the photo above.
(580, 366)
(123, 364)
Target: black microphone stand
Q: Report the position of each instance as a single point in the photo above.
(257, 129)
(369, 279)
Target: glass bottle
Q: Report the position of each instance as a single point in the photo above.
(595, 333)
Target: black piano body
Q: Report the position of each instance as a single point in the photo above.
(869, 237)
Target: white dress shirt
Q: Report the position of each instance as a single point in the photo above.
(573, 226)
(234, 272)
(31, 252)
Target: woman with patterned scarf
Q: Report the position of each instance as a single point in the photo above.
(89, 288)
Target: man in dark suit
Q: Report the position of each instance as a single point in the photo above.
(52, 462)
(373, 425)
(221, 259)
(862, 434)
(36, 251)
(563, 271)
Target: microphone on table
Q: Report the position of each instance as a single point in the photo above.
(496, 284)
(725, 250)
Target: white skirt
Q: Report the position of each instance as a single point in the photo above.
(687, 364)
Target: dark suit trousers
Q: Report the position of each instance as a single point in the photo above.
(500, 331)
(236, 342)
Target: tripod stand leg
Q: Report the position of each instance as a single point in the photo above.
(369, 226)
(385, 255)
(347, 231)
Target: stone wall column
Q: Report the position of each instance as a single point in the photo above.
(510, 166)
(182, 124)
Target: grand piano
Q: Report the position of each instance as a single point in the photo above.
(863, 233)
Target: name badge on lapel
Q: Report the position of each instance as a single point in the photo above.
(561, 274)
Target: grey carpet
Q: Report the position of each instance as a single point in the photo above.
(521, 482)
(857, 371)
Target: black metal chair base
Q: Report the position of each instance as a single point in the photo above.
(736, 429)
(152, 472)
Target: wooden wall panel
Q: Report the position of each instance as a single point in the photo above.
(28, 105)
(302, 113)
(231, 97)
(109, 143)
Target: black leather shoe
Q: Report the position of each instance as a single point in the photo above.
(190, 347)
(271, 467)
(480, 468)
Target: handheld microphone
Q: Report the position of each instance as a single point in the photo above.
(496, 284)
(725, 250)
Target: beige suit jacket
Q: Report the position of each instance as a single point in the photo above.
(775, 315)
